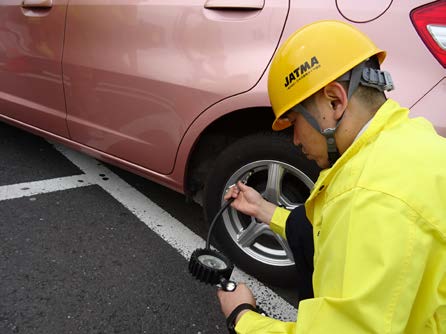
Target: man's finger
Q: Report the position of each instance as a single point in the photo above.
(242, 186)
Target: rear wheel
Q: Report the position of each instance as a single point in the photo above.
(283, 176)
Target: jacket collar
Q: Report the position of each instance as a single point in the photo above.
(387, 116)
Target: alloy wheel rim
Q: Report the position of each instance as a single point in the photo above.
(279, 183)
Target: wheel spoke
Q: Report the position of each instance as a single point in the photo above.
(287, 204)
(274, 183)
(249, 235)
(282, 242)
(290, 206)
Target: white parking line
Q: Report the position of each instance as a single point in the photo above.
(40, 187)
(158, 220)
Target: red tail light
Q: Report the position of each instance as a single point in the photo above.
(430, 22)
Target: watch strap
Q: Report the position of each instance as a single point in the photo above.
(230, 321)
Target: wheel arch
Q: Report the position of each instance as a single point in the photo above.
(216, 136)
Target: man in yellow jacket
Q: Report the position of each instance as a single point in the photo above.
(378, 209)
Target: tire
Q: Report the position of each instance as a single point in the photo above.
(282, 174)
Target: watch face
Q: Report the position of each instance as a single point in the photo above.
(212, 262)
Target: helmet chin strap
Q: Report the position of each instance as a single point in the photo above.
(359, 74)
(332, 149)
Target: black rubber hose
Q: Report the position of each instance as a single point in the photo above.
(223, 208)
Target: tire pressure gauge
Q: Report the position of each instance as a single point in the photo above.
(209, 266)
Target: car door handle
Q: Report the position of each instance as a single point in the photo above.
(37, 4)
(235, 4)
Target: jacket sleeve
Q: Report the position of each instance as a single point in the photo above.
(278, 221)
(369, 261)
(254, 323)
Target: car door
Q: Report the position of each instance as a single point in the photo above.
(139, 72)
(31, 45)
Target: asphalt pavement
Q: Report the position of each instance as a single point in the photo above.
(85, 248)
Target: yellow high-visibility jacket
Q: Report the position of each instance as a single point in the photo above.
(379, 224)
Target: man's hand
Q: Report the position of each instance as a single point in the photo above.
(250, 202)
(230, 300)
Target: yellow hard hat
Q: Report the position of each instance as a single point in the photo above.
(311, 58)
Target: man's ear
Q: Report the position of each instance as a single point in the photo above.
(336, 96)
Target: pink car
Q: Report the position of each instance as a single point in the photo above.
(175, 91)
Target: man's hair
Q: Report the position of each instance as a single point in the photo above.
(370, 97)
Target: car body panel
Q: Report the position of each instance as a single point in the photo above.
(31, 46)
(368, 11)
(140, 93)
(138, 73)
(430, 102)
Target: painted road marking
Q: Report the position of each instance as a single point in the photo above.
(157, 219)
(40, 187)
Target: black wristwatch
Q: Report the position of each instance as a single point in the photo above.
(230, 321)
